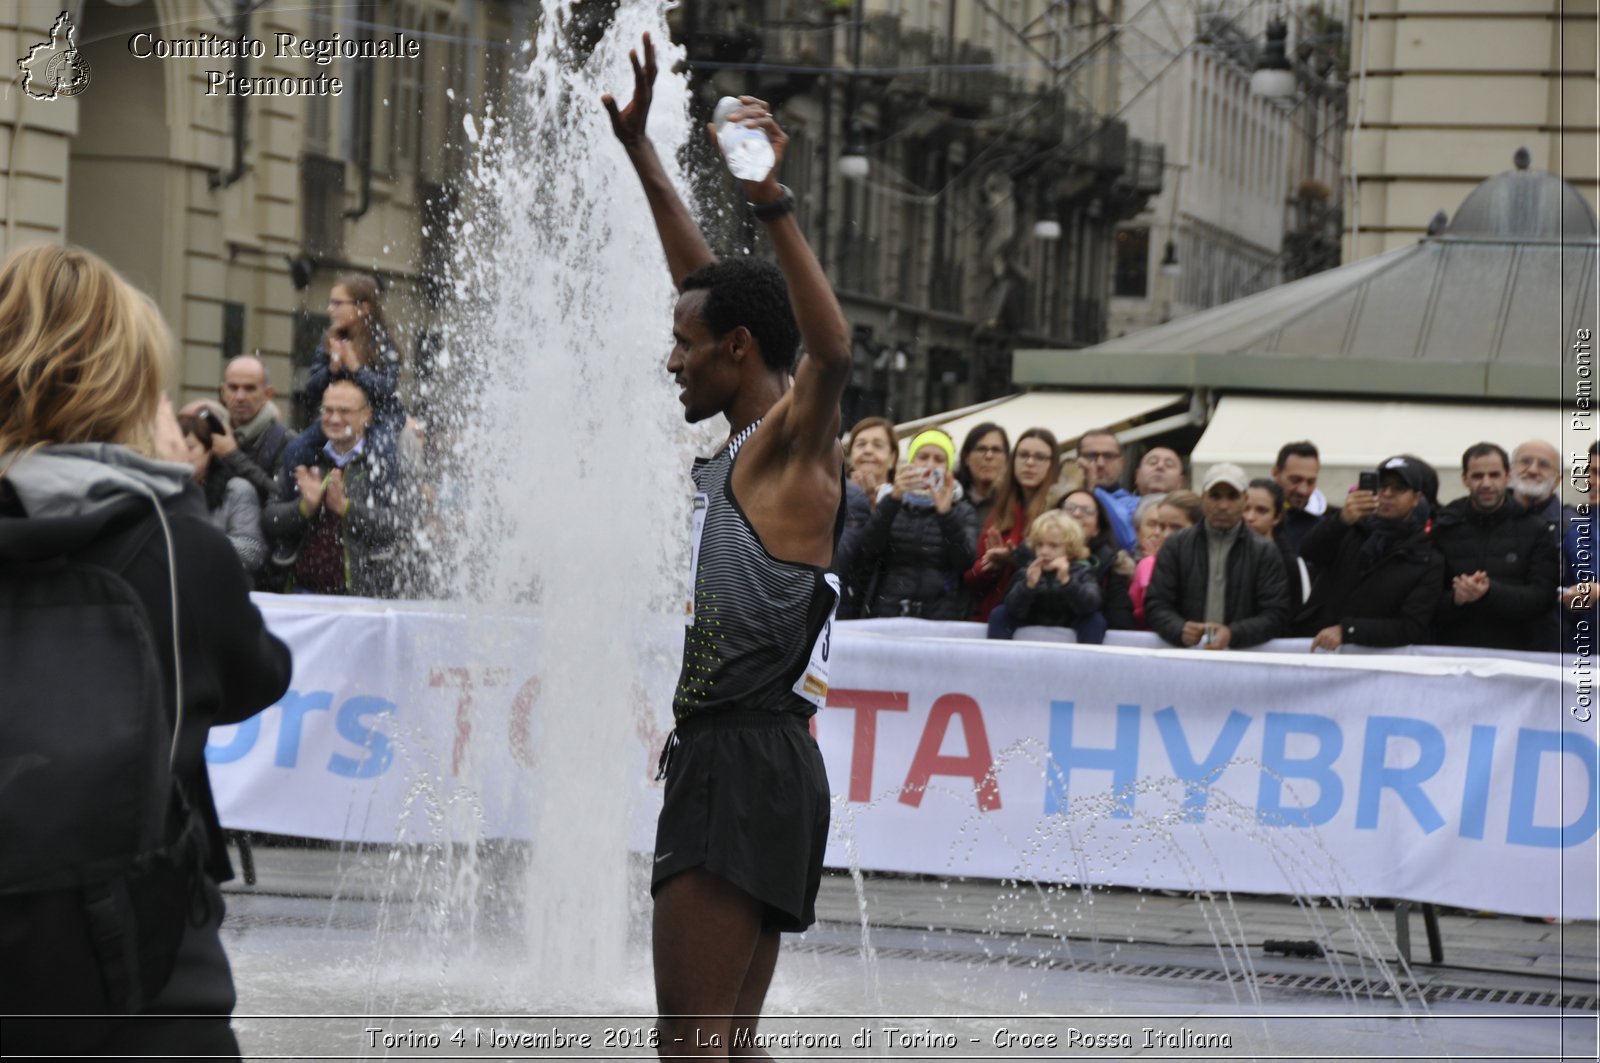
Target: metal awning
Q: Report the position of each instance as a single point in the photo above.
(1355, 435)
(1485, 309)
(1068, 414)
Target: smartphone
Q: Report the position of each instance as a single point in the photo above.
(921, 496)
(1367, 481)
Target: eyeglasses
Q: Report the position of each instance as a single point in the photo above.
(1080, 511)
(341, 302)
(1095, 457)
(342, 411)
(1032, 457)
(989, 452)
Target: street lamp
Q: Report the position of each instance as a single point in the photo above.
(1273, 78)
(854, 164)
(1170, 266)
(1047, 227)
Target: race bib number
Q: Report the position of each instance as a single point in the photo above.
(813, 684)
(697, 528)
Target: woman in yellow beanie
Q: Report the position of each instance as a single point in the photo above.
(921, 537)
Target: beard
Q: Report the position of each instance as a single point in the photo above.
(1532, 488)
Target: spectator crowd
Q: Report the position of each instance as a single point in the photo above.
(1015, 535)
(1009, 534)
(330, 510)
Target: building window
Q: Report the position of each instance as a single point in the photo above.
(232, 330)
(1133, 263)
(319, 108)
(405, 101)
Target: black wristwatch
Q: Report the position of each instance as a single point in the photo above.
(776, 209)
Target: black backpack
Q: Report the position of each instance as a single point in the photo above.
(100, 854)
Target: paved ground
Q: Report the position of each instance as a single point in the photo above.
(340, 955)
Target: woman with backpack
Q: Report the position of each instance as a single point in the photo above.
(126, 633)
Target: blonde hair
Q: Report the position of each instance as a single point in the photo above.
(1071, 532)
(83, 354)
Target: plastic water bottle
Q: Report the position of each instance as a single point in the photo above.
(749, 152)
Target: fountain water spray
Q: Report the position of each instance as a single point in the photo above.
(566, 459)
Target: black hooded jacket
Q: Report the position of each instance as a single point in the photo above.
(232, 667)
(1389, 601)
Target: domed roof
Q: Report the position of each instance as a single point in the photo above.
(1523, 205)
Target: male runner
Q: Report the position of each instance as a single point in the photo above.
(739, 843)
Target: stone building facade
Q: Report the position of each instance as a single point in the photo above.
(978, 119)
(1251, 196)
(234, 211)
(1443, 92)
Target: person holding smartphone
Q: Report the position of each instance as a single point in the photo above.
(231, 500)
(1380, 575)
(921, 539)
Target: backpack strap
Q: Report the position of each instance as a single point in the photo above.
(132, 541)
(110, 915)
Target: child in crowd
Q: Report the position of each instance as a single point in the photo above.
(1058, 586)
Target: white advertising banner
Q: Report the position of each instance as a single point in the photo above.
(1470, 782)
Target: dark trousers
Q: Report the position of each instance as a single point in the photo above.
(1090, 630)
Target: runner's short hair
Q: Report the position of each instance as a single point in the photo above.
(752, 293)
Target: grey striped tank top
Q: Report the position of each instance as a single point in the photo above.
(759, 628)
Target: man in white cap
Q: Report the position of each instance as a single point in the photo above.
(1218, 584)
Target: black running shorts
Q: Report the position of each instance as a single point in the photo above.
(747, 799)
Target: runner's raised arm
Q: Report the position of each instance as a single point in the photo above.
(812, 424)
(681, 238)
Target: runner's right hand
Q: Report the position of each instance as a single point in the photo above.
(629, 123)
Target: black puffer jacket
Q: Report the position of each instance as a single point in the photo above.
(1519, 552)
(1053, 603)
(1388, 602)
(910, 560)
(1257, 607)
